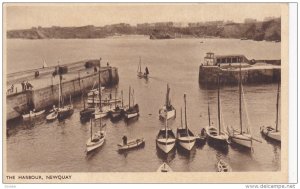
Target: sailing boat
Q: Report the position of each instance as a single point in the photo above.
(241, 137)
(63, 111)
(215, 135)
(165, 139)
(185, 137)
(132, 111)
(140, 74)
(269, 131)
(167, 108)
(97, 139)
(117, 112)
(87, 112)
(44, 64)
(101, 111)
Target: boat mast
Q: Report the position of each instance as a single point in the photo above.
(277, 105)
(181, 117)
(99, 85)
(208, 110)
(240, 98)
(219, 120)
(129, 96)
(166, 126)
(91, 130)
(186, 127)
(140, 65)
(122, 98)
(115, 99)
(167, 96)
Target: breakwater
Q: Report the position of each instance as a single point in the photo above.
(208, 75)
(44, 93)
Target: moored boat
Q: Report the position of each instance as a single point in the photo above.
(96, 139)
(269, 131)
(132, 111)
(165, 139)
(52, 116)
(164, 168)
(185, 137)
(33, 114)
(167, 108)
(214, 135)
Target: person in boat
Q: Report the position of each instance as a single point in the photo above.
(95, 69)
(146, 71)
(202, 132)
(124, 139)
(107, 64)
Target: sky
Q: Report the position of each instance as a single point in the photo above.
(24, 16)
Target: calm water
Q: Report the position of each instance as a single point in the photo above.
(52, 147)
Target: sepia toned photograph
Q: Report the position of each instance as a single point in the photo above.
(145, 92)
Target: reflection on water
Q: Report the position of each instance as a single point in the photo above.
(60, 146)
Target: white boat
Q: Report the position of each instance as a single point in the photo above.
(33, 114)
(132, 111)
(167, 108)
(96, 139)
(164, 168)
(186, 139)
(52, 116)
(134, 143)
(140, 74)
(215, 135)
(241, 137)
(269, 131)
(222, 166)
(165, 139)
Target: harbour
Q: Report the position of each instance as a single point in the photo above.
(65, 141)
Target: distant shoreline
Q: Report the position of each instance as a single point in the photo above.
(267, 30)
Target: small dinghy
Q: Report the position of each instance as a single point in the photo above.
(201, 139)
(127, 145)
(164, 168)
(222, 166)
(33, 114)
(52, 116)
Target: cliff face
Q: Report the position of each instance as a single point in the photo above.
(267, 30)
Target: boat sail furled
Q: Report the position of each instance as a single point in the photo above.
(215, 135)
(167, 108)
(269, 131)
(186, 139)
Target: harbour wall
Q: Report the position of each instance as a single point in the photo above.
(44, 97)
(208, 75)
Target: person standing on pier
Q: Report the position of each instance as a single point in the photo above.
(23, 85)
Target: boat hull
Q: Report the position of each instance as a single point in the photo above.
(187, 143)
(214, 137)
(244, 140)
(91, 145)
(164, 168)
(166, 145)
(52, 116)
(271, 133)
(33, 115)
(131, 144)
(65, 112)
(170, 114)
